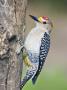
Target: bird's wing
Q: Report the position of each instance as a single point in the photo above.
(44, 48)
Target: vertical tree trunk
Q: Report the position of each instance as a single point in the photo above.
(12, 25)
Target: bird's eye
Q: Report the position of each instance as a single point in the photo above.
(44, 22)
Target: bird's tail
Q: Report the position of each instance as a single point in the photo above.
(34, 79)
(24, 81)
(29, 74)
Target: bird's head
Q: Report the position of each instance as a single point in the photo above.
(43, 22)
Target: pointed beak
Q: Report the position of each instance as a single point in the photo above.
(34, 18)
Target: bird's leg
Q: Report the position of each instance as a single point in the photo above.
(26, 59)
(27, 62)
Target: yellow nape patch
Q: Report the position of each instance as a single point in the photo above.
(27, 62)
(40, 19)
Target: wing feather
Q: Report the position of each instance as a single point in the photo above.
(44, 48)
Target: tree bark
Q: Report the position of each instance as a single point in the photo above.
(12, 25)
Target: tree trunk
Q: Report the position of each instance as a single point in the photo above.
(12, 25)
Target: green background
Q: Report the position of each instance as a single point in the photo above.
(54, 73)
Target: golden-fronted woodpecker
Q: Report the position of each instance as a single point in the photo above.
(37, 45)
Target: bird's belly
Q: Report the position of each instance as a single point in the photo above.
(33, 41)
(33, 45)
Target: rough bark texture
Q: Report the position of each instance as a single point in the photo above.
(12, 25)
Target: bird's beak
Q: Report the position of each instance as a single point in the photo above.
(34, 18)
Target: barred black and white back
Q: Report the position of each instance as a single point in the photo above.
(44, 48)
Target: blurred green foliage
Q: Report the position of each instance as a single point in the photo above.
(59, 5)
(50, 80)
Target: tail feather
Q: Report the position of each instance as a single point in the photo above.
(34, 79)
(29, 74)
(24, 81)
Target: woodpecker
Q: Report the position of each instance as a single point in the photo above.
(37, 45)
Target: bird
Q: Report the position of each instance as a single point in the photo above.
(37, 45)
